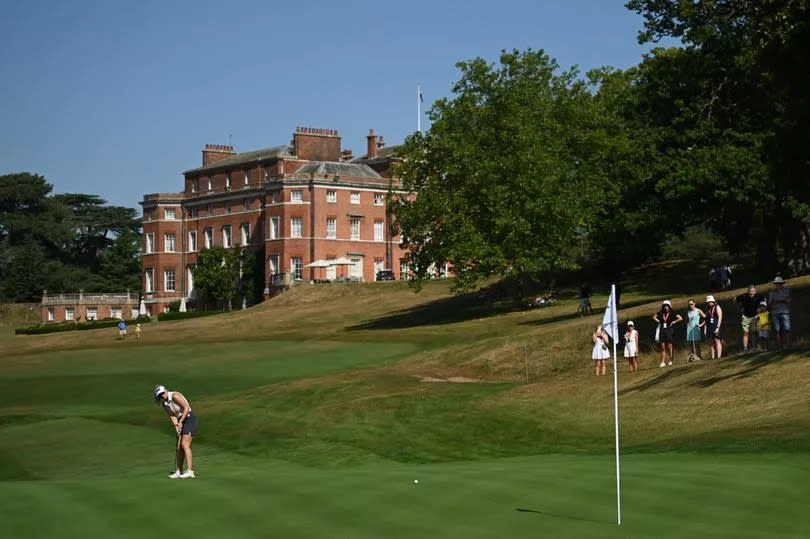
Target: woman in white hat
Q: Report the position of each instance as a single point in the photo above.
(666, 318)
(600, 350)
(179, 411)
(631, 346)
(714, 323)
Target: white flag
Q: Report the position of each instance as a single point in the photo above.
(610, 321)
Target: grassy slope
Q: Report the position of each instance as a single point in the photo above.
(328, 378)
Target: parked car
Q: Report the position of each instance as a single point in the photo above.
(385, 275)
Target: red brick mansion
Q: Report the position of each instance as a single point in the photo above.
(294, 203)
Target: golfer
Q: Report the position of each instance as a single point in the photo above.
(179, 411)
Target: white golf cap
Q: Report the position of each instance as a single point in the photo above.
(159, 390)
(710, 299)
(667, 302)
(779, 280)
(630, 323)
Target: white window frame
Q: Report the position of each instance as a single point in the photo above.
(403, 269)
(331, 228)
(297, 268)
(195, 185)
(354, 229)
(227, 236)
(190, 274)
(354, 197)
(93, 315)
(228, 182)
(331, 196)
(193, 212)
(296, 227)
(51, 314)
(170, 214)
(208, 235)
(244, 228)
(169, 243)
(192, 240)
(228, 208)
(150, 242)
(149, 280)
(247, 176)
(117, 312)
(275, 227)
(379, 199)
(297, 196)
(210, 183)
(70, 314)
(379, 230)
(274, 261)
(246, 203)
(166, 281)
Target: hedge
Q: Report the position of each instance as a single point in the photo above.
(78, 326)
(189, 314)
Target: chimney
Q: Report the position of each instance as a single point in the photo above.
(380, 143)
(216, 152)
(316, 144)
(372, 144)
(346, 155)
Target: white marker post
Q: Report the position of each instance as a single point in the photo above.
(611, 323)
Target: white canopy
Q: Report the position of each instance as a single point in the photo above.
(142, 308)
(320, 263)
(342, 261)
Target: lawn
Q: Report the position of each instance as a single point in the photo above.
(318, 410)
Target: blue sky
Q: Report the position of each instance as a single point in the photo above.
(118, 98)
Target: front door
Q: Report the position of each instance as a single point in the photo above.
(356, 269)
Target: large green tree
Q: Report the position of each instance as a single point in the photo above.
(510, 174)
(216, 276)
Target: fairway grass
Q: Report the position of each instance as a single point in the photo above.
(664, 495)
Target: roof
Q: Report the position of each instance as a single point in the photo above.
(247, 157)
(339, 169)
(385, 151)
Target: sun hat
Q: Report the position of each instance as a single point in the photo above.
(630, 323)
(778, 280)
(667, 302)
(710, 299)
(159, 390)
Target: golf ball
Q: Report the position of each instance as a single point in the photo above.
(415, 481)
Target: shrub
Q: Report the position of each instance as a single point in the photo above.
(174, 306)
(77, 326)
(696, 243)
(190, 314)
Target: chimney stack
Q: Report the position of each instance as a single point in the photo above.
(372, 144)
(380, 143)
(216, 152)
(346, 155)
(316, 144)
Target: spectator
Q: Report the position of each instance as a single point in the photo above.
(585, 300)
(763, 325)
(667, 318)
(631, 346)
(725, 276)
(749, 302)
(600, 349)
(695, 320)
(122, 329)
(779, 302)
(714, 321)
(137, 331)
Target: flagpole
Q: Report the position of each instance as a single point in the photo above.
(419, 107)
(616, 406)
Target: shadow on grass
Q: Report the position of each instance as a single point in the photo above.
(556, 515)
(450, 310)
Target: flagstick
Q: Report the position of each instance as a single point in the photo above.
(419, 107)
(616, 410)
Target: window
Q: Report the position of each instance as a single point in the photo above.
(331, 271)
(169, 243)
(228, 182)
(379, 226)
(69, 313)
(227, 207)
(165, 308)
(150, 242)
(331, 196)
(266, 173)
(245, 229)
(296, 196)
(275, 197)
(115, 312)
(170, 214)
(246, 203)
(355, 197)
(209, 210)
(297, 267)
(195, 185)
(331, 228)
(274, 228)
(379, 199)
(51, 314)
(192, 240)
(403, 269)
(226, 236)
(247, 176)
(149, 280)
(355, 229)
(273, 262)
(296, 224)
(210, 183)
(379, 265)
(209, 237)
(193, 212)
(190, 272)
(168, 281)
(135, 313)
